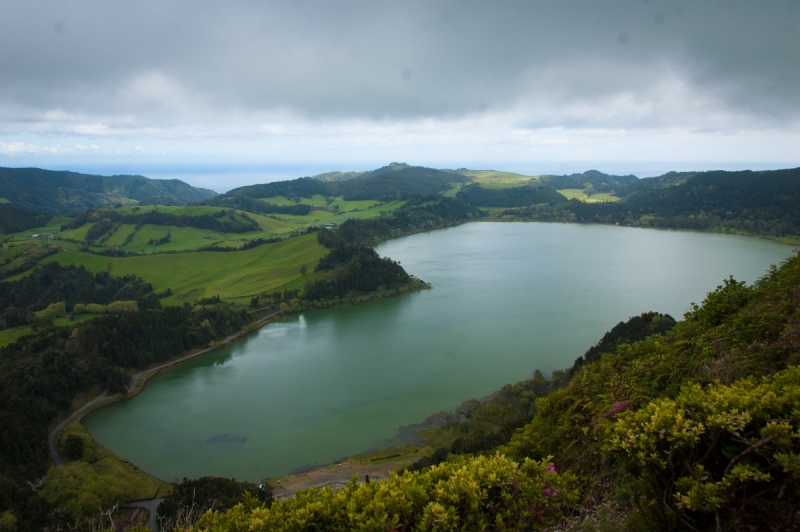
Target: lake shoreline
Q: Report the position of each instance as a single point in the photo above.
(140, 379)
(357, 303)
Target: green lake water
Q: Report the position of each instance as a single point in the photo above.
(509, 298)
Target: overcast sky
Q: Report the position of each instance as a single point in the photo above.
(225, 93)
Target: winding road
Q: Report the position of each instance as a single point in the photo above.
(52, 436)
(105, 396)
(151, 504)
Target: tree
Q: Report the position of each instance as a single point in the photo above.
(73, 447)
(303, 269)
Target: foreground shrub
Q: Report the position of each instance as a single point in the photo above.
(469, 493)
(721, 454)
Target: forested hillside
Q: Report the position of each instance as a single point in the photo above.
(760, 203)
(71, 192)
(598, 180)
(393, 182)
(13, 219)
(696, 428)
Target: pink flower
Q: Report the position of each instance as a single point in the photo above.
(551, 468)
(616, 409)
(550, 493)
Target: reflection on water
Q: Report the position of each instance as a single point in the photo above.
(508, 299)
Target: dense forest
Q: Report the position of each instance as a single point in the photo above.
(695, 427)
(13, 219)
(353, 268)
(53, 283)
(759, 203)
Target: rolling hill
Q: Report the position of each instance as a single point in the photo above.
(64, 192)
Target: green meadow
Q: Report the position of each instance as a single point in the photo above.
(9, 336)
(346, 210)
(493, 179)
(237, 275)
(579, 194)
(78, 235)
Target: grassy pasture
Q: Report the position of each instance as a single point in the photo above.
(236, 275)
(493, 179)
(602, 197)
(190, 238)
(316, 200)
(119, 236)
(314, 217)
(54, 226)
(361, 205)
(579, 194)
(78, 234)
(273, 226)
(347, 211)
(171, 209)
(9, 336)
(452, 191)
(283, 201)
(497, 185)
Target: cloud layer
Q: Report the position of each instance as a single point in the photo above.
(198, 70)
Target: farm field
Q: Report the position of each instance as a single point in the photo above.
(53, 226)
(235, 276)
(348, 209)
(171, 209)
(579, 194)
(9, 336)
(78, 234)
(494, 180)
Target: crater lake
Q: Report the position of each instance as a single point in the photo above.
(508, 298)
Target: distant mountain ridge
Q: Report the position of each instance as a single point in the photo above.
(392, 182)
(67, 192)
(600, 181)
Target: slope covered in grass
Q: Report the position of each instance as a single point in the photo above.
(236, 275)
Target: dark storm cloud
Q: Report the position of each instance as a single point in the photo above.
(572, 63)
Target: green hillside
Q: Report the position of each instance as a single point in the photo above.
(757, 203)
(233, 276)
(70, 192)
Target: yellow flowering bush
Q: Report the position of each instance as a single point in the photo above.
(469, 493)
(718, 447)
